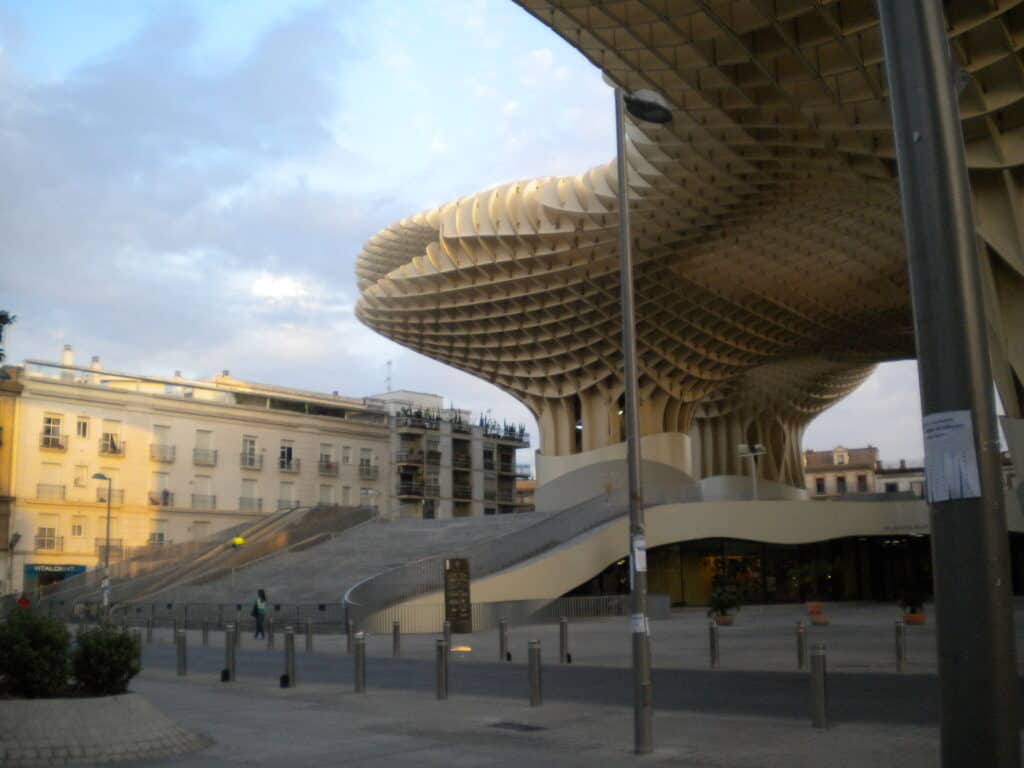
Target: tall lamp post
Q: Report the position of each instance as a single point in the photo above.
(106, 549)
(752, 452)
(650, 107)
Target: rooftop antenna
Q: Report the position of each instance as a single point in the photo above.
(389, 376)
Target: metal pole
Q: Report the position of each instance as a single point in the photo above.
(309, 635)
(753, 474)
(801, 645)
(396, 638)
(448, 634)
(149, 630)
(819, 693)
(977, 668)
(441, 669)
(181, 652)
(270, 633)
(502, 639)
(206, 633)
(289, 656)
(642, 693)
(901, 644)
(348, 636)
(359, 676)
(536, 696)
(106, 551)
(713, 643)
(563, 640)
(229, 652)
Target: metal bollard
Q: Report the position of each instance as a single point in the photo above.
(713, 643)
(448, 635)
(819, 694)
(901, 644)
(441, 670)
(348, 636)
(502, 640)
(174, 628)
(309, 635)
(149, 630)
(359, 674)
(270, 633)
(228, 675)
(536, 697)
(563, 640)
(289, 657)
(801, 645)
(182, 652)
(206, 633)
(396, 638)
(238, 632)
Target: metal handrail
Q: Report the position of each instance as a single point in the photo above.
(50, 491)
(162, 498)
(161, 453)
(204, 457)
(250, 460)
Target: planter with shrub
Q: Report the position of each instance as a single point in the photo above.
(913, 608)
(724, 598)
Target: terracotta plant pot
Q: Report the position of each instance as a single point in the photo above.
(814, 608)
(915, 619)
(724, 619)
(820, 619)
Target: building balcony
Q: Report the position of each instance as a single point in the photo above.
(327, 467)
(204, 501)
(112, 445)
(165, 454)
(462, 491)
(432, 490)
(46, 543)
(162, 498)
(116, 495)
(53, 442)
(289, 466)
(249, 504)
(250, 461)
(368, 472)
(409, 457)
(462, 428)
(488, 465)
(288, 503)
(462, 461)
(204, 457)
(433, 457)
(410, 489)
(50, 492)
(411, 423)
(506, 467)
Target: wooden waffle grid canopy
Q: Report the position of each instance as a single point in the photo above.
(770, 273)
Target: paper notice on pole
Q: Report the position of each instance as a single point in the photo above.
(951, 465)
(640, 553)
(639, 624)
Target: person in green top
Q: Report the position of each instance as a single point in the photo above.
(259, 611)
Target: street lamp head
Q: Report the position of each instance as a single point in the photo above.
(649, 106)
(100, 476)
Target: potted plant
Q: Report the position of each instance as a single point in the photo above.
(724, 598)
(913, 607)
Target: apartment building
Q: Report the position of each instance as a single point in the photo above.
(174, 459)
(445, 466)
(841, 471)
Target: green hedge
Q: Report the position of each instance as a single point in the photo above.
(33, 655)
(105, 660)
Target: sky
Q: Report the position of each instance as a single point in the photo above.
(186, 186)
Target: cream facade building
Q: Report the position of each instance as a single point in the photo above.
(186, 459)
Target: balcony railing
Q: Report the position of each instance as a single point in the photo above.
(204, 501)
(288, 503)
(116, 495)
(250, 504)
(49, 543)
(328, 467)
(53, 442)
(462, 461)
(162, 453)
(488, 464)
(250, 460)
(462, 491)
(50, 492)
(112, 445)
(462, 427)
(433, 457)
(507, 467)
(432, 490)
(288, 465)
(409, 457)
(410, 489)
(368, 472)
(204, 457)
(161, 498)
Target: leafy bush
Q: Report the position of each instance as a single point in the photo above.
(724, 598)
(33, 655)
(104, 661)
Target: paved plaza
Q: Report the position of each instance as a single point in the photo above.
(752, 711)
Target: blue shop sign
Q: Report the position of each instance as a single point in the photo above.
(35, 569)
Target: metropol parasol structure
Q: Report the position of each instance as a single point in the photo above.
(770, 268)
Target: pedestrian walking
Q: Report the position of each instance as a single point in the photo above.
(259, 611)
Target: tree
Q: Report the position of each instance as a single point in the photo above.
(6, 318)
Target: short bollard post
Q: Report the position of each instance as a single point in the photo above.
(179, 642)
(348, 636)
(441, 669)
(901, 644)
(270, 634)
(503, 640)
(563, 640)
(536, 697)
(238, 631)
(206, 633)
(228, 675)
(309, 635)
(819, 694)
(289, 658)
(448, 634)
(801, 645)
(174, 628)
(359, 676)
(396, 638)
(149, 630)
(713, 643)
